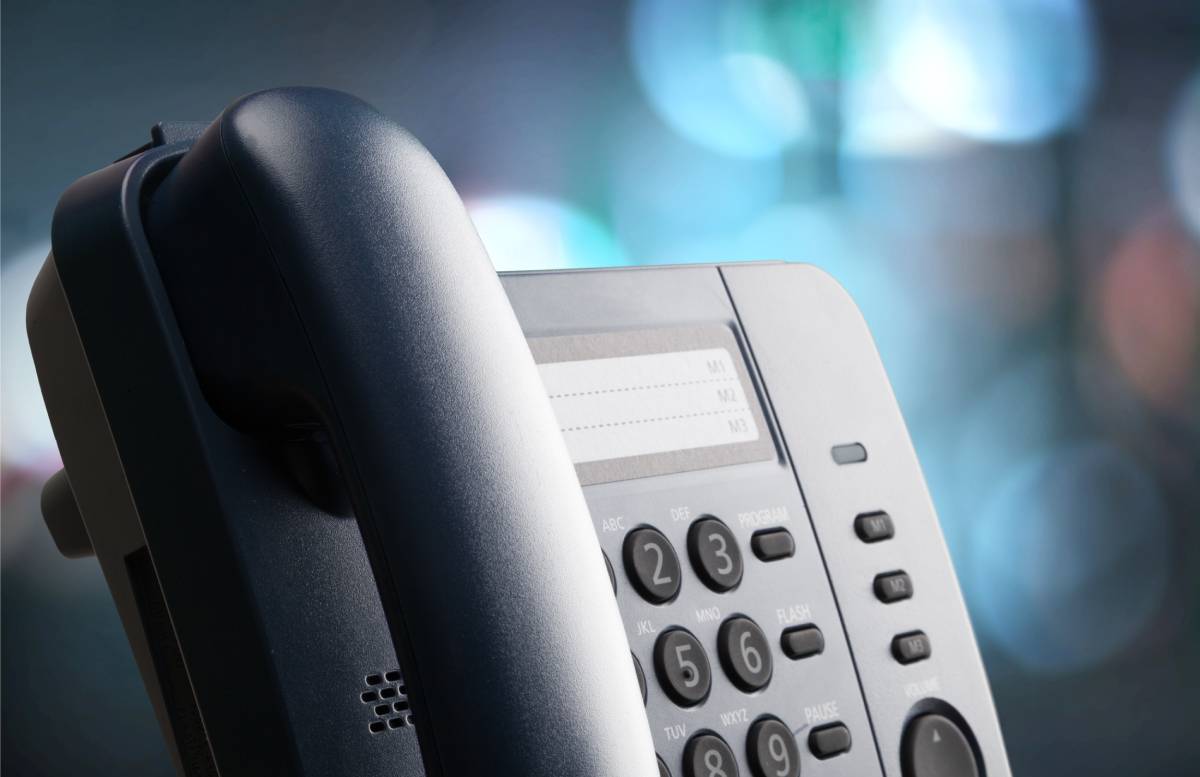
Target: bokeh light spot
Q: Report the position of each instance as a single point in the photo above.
(993, 70)
(1183, 154)
(1073, 554)
(534, 233)
(708, 68)
(1149, 299)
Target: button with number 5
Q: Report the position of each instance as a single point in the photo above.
(652, 565)
(714, 553)
(707, 755)
(772, 749)
(682, 667)
(745, 653)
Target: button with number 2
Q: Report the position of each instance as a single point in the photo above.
(652, 565)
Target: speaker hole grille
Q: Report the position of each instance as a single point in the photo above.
(387, 687)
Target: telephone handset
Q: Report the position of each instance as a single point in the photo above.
(365, 507)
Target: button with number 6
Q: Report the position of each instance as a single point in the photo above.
(745, 653)
(652, 565)
(714, 553)
(707, 755)
(682, 667)
(772, 749)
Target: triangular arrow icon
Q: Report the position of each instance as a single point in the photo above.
(936, 736)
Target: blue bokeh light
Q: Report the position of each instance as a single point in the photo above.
(707, 69)
(523, 232)
(1074, 551)
(992, 70)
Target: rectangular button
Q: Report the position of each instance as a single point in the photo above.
(773, 544)
(893, 587)
(828, 741)
(911, 647)
(802, 642)
(873, 527)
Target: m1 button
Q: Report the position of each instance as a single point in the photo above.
(828, 741)
(874, 527)
(802, 642)
(911, 647)
(773, 544)
(893, 587)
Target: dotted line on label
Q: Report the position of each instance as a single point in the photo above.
(653, 420)
(642, 388)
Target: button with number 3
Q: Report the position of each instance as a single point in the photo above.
(682, 667)
(651, 564)
(707, 755)
(772, 749)
(714, 553)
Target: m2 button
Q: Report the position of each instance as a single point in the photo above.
(911, 647)
(652, 565)
(874, 527)
(707, 755)
(828, 741)
(682, 667)
(773, 544)
(893, 587)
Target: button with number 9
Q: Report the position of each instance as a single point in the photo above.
(772, 749)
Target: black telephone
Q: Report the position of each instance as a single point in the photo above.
(367, 508)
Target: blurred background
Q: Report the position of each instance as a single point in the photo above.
(1009, 188)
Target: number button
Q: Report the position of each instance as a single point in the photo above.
(652, 565)
(714, 553)
(707, 755)
(745, 653)
(682, 667)
(772, 749)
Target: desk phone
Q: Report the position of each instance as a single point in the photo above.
(367, 508)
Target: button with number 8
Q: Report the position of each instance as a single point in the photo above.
(745, 653)
(652, 565)
(682, 667)
(714, 553)
(772, 749)
(707, 755)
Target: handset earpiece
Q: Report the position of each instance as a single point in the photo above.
(326, 277)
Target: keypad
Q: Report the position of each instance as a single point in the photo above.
(715, 555)
(707, 755)
(682, 667)
(746, 644)
(652, 565)
(771, 749)
(745, 653)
